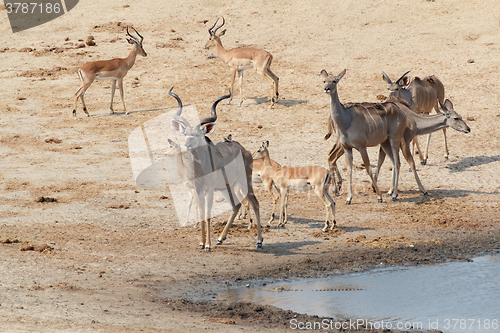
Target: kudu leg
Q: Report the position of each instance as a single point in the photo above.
(446, 153)
(405, 147)
(348, 158)
(255, 206)
(366, 161)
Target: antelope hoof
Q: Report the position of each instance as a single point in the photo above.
(424, 162)
(348, 202)
(334, 225)
(74, 113)
(201, 247)
(259, 244)
(394, 198)
(445, 157)
(380, 200)
(410, 170)
(207, 249)
(219, 242)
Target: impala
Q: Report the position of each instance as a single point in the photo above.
(239, 59)
(422, 96)
(259, 177)
(306, 178)
(365, 125)
(114, 69)
(223, 166)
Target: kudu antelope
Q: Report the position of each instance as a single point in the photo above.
(114, 69)
(182, 170)
(365, 125)
(223, 166)
(422, 96)
(418, 124)
(306, 178)
(239, 59)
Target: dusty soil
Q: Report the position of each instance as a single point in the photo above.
(83, 248)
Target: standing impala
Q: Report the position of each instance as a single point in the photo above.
(223, 166)
(306, 178)
(114, 69)
(239, 59)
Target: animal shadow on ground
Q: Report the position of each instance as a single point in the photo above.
(471, 161)
(284, 102)
(109, 114)
(285, 248)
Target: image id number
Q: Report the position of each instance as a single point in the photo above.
(470, 324)
(32, 8)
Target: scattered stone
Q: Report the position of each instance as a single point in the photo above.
(471, 61)
(27, 248)
(46, 199)
(44, 248)
(470, 119)
(21, 98)
(52, 140)
(90, 41)
(80, 45)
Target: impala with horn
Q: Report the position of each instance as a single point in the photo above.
(239, 59)
(224, 166)
(422, 95)
(114, 69)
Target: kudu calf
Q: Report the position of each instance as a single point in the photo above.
(422, 96)
(223, 166)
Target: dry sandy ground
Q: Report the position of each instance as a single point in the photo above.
(117, 258)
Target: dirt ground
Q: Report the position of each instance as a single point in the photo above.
(107, 255)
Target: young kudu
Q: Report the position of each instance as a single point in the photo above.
(422, 96)
(366, 125)
(114, 69)
(239, 59)
(305, 178)
(418, 124)
(223, 166)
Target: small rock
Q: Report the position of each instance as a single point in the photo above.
(80, 45)
(470, 119)
(28, 248)
(90, 41)
(471, 61)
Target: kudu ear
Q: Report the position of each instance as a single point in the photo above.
(265, 144)
(208, 128)
(405, 81)
(341, 74)
(386, 78)
(177, 126)
(171, 143)
(324, 74)
(448, 105)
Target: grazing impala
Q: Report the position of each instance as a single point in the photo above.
(366, 125)
(239, 59)
(306, 178)
(114, 69)
(223, 166)
(422, 96)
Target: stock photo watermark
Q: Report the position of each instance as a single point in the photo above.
(28, 14)
(431, 324)
(158, 163)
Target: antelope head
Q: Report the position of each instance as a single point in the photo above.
(214, 37)
(138, 43)
(195, 135)
(453, 119)
(260, 153)
(330, 81)
(400, 83)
